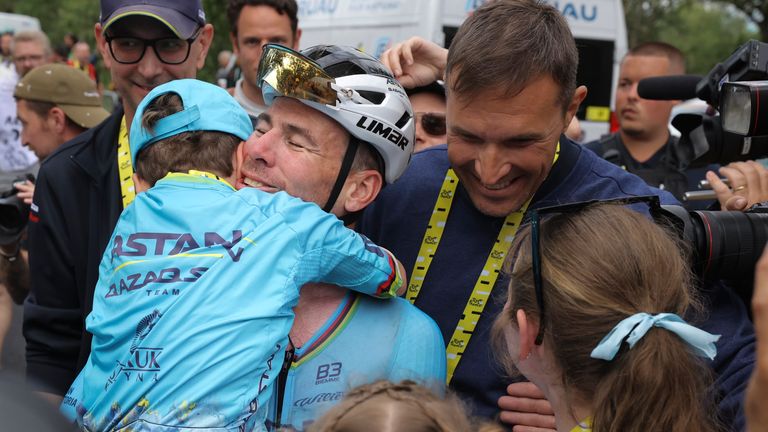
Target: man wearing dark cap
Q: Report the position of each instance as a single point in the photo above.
(84, 185)
(56, 103)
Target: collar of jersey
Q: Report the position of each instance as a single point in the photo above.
(328, 332)
(196, 177)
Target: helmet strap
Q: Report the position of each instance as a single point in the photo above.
(346, 165)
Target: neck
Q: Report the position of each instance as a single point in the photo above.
(317, 302)
(642, 148)
(128, 113)
(253, 93)
(568, 411)
(71, 132)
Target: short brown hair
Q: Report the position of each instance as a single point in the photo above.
(509, 43)
(283, 7)
(600, 266)
(41, 109)
(200, 150)
(661, 49)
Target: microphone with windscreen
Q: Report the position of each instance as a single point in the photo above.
(669, 87)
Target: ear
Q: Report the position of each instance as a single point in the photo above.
(204, 39)
(237, 160)
(528, 331)
(296, 39)
(101, 44)
(139, 184)
(235, 46)
(361, 188)
(573, 106)
(57, 119)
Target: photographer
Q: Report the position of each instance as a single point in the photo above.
(749, 185)
(54, 103)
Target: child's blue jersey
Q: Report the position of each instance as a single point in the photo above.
(354, 348)
(194, 304)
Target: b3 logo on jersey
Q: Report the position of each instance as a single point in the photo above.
(328, 373)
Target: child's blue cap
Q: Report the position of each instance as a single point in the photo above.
(206, 108)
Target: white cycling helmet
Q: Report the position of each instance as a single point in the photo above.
(352, 88)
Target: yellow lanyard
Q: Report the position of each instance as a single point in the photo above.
(485, 282)
(584, 426)
(124, 165)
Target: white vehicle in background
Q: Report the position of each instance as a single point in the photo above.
(15, 22)
(374, 25)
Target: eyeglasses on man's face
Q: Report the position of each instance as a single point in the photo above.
(169, 50)
(535, 215)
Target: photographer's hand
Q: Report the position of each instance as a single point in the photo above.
(416, 62)
(26, 190)
(526, 408)
(757, 391)
(749, 185)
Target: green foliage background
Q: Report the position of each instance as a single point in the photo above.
(706, 31)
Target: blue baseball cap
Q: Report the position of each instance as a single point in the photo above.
(207, 107)
(183, 17)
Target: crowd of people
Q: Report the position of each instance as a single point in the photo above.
(339, 243)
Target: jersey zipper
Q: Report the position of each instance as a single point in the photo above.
(282, 379)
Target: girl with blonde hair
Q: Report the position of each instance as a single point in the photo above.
(385, 406)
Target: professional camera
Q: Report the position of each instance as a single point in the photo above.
(14, 214)
(725, 245)
(740, 130)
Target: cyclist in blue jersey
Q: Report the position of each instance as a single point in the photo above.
(193, 306)
(339, 155)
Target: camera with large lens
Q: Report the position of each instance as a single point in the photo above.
(14, 214)
(725, 245)
(738, 129)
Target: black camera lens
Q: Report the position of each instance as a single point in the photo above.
(11, 217)
(728, 244)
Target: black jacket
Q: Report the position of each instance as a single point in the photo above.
(76, 205)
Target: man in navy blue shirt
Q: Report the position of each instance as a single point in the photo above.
(511, 83)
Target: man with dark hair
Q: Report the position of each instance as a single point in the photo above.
(253, 24)
(54, 104)
(510, 76)
(6, 55)
(429, 108)
(643, 144)
(86, 183)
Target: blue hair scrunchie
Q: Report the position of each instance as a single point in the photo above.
(636, 326)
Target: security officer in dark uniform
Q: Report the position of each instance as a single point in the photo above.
(643, 145)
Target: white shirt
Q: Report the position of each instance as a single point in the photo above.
(13, 156)
(252, 108)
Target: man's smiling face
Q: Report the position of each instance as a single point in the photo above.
(295, 149)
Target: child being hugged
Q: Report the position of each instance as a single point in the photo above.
(193, 306)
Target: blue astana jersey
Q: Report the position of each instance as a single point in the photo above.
(353, 348)
(193, 306)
